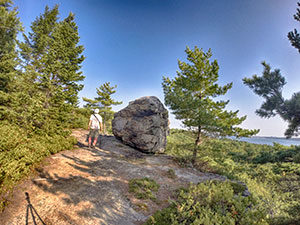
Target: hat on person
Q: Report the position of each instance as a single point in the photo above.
(96, 111)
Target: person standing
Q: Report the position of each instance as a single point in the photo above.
(95, 125)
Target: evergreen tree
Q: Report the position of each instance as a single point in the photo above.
(190, 95)
(19, 97)
(269, 86)
(294, 36)
(104, 102)
(52, 59)
(9, 28)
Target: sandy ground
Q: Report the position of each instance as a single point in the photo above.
(90, 186)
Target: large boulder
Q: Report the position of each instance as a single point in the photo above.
(143, 124)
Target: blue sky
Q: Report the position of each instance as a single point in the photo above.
(133, 43)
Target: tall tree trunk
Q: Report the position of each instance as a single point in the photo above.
(197, 143)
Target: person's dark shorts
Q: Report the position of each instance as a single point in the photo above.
(94, 133)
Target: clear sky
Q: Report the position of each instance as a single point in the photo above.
(133, 43)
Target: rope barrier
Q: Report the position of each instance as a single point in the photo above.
(32, 211)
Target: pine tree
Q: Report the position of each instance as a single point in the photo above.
(52, 58)
(9, 28)
(190, 95)
(294, 36)
(104, 102)
(20, 100)
(269, 86)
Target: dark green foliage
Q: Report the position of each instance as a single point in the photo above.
(52, 49)
(19, 153)
(51, 63)
(104, 102)
(208, 204)
(38, 91)
(191, 96)
(143, 188)
(271, 173)
(80, 118)
(9, 28)
(269, 86)
(296, 158)
(171, 174)
(275, 155)
(294, 36)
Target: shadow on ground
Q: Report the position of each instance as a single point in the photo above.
(96, 189)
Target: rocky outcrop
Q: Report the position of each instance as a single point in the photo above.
(143, 124)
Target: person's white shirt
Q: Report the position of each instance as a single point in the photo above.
(95, 119)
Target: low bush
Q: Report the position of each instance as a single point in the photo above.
(80, 118)
(171, 174)
(271, 173)
(211, 203)
(143, 188)
(20, 153)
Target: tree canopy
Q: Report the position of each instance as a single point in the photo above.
(39, 83)
(269, 86)
(10, 26)
(52, 60)
(39, 77)
(294, 36)
(192, 94)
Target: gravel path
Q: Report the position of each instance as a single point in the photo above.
(90, 186)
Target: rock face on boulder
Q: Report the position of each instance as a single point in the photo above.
(143, 124)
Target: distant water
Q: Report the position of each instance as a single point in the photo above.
(269, 140)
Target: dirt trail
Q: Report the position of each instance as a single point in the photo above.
(90, 186)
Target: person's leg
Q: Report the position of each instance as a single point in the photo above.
(90, 138)
(93, 134)
(90, 141)
(96, 137)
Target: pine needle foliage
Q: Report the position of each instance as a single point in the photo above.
(210, 203)
(294, 36)
(104, 102)
(269, 86)
(52, 60)
(143, 188)
(39, 84)
(9, 28)
(270, 172)
(191, 96)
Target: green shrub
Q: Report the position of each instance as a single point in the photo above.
(143, 188)
(296, 158)
(210, 203)
(81, 117)
(171, 174)
(271, 173)
(20, 153)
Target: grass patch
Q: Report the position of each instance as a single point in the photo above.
(142, 206)
(143, 188)
(171, 174)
